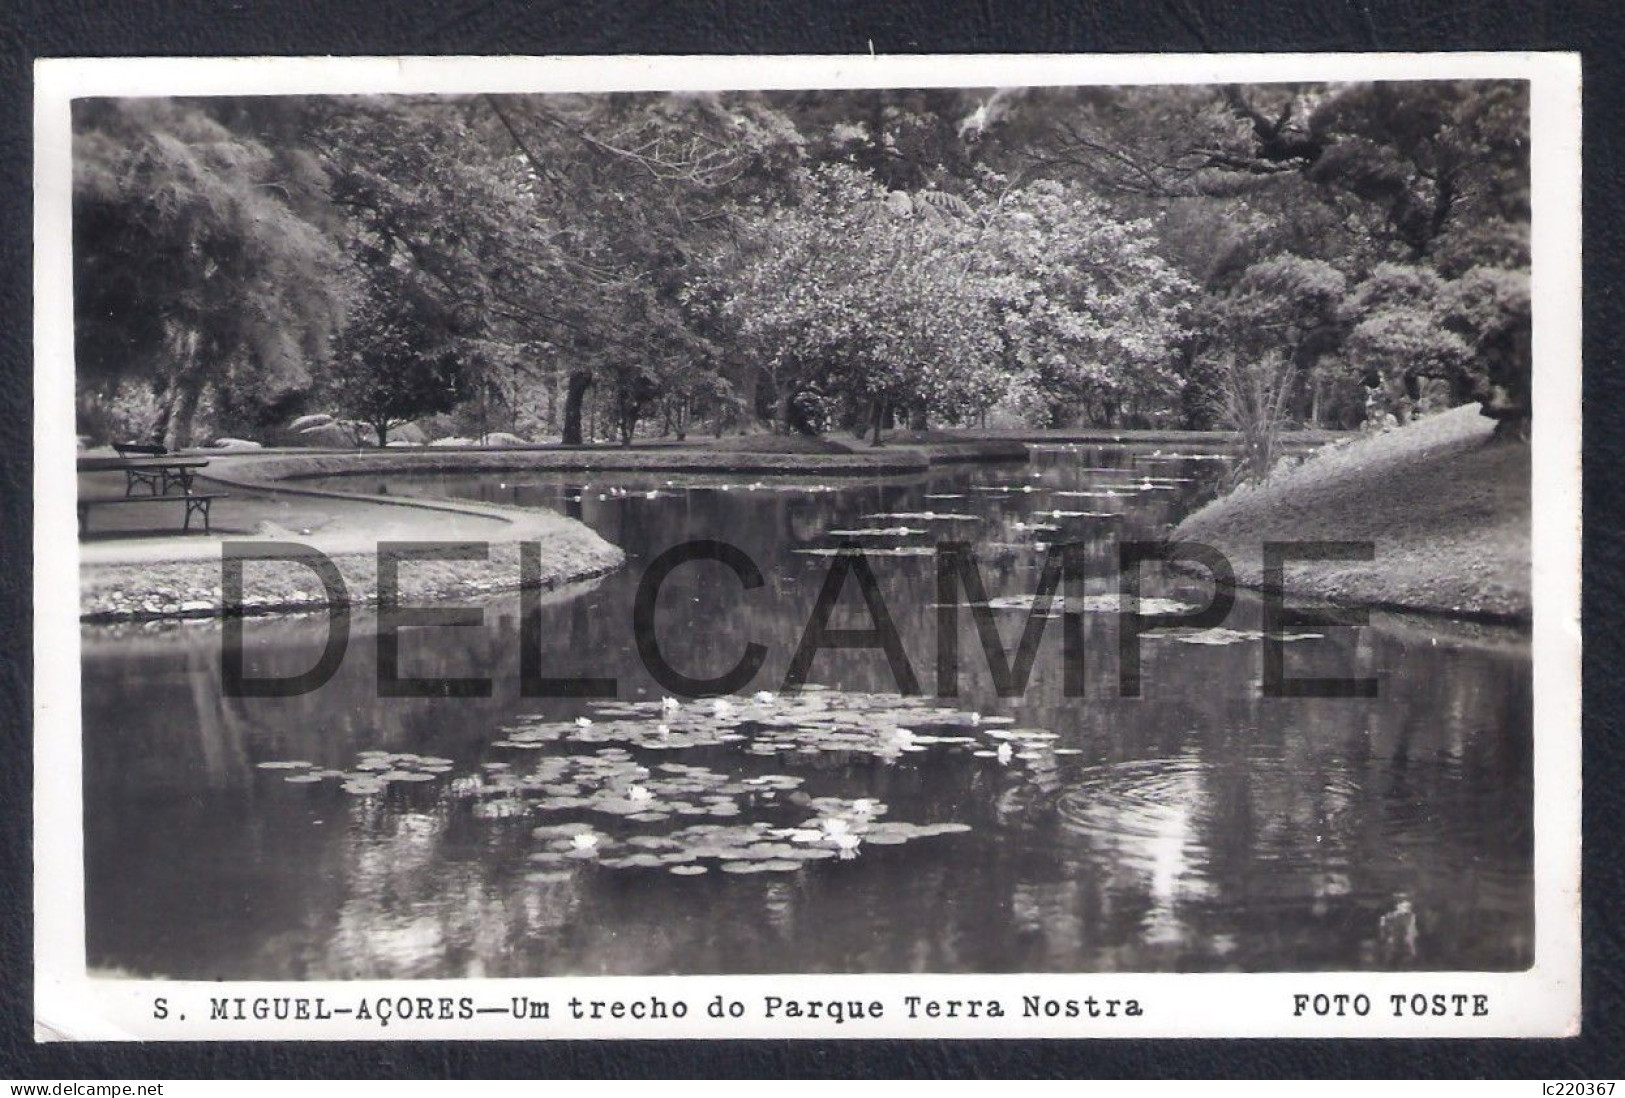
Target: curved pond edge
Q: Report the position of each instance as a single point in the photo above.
(283, 465)
(190, 588)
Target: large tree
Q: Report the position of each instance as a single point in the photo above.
(1428, 174)
(399, 359)
(197, 268)
(637, 190)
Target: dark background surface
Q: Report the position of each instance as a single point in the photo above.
(41, 28)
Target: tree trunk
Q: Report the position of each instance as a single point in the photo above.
(781, 411)
(180, 407)
(382, 430)
(574, 395)
(917, 418)
(180, 397)
(879, 419)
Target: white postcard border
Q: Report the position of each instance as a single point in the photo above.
(1542, 1001)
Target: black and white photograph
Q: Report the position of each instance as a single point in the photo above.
(1042, 533)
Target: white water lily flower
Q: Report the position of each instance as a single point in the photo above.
(723, 707)
(764, 696)
(863, 806)
(670, 705)
(583, 722)
(847, 844)
(1005, 753)
(638, 794)
(663, 729)
(835, 827)
(585, 840)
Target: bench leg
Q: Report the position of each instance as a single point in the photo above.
(200, 506)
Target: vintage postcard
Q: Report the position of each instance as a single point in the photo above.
(1024, 546)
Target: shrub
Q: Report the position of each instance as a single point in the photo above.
(130, 413)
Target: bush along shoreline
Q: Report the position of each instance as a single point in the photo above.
(1443, 502)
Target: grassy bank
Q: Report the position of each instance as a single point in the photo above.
(1446, 506)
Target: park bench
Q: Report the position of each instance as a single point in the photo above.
(197, 503)
(140, 449)
(151, 466)
(154, 468)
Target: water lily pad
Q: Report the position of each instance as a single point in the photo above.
(286, 764)
(549, 876)
(877, 532)
(500, 808)
(885, 838)
(893, 551)
(553, 831)
(1222, 636)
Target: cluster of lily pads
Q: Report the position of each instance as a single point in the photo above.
(868, 551)
(735, 822)
(611, 783)
(1219, 635)
(1106, 603)
(832, 827)
(371, 772)
(614, 790)
(813, 721)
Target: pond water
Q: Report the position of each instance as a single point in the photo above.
(846, 828)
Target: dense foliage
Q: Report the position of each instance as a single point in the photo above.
(589, 267)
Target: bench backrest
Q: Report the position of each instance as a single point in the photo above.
(149, 449)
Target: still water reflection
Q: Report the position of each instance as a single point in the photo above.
(1199, 827)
